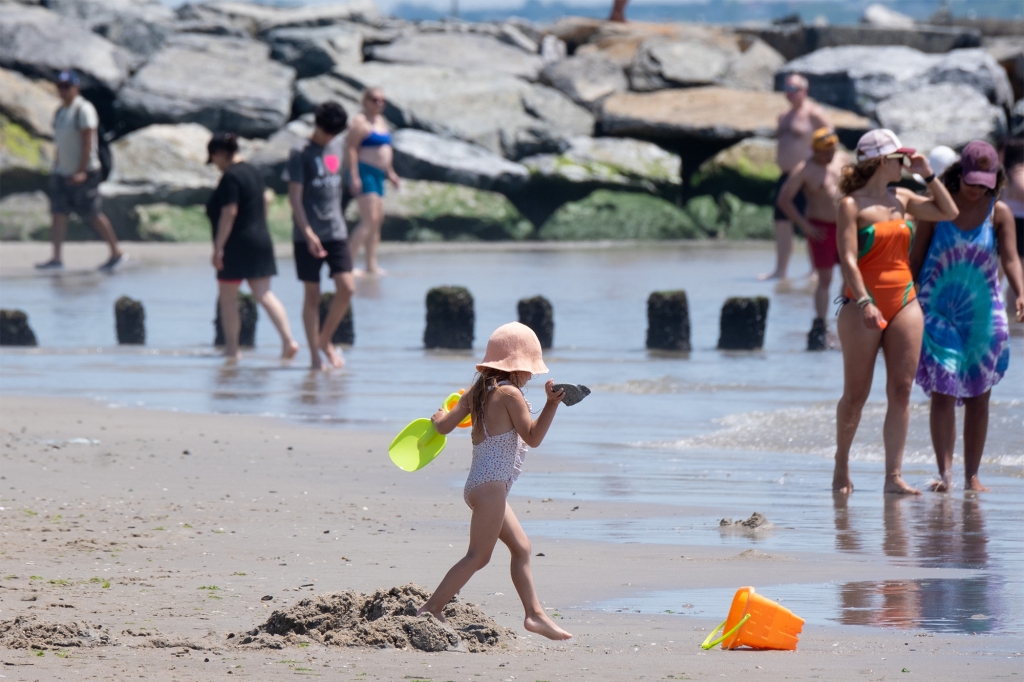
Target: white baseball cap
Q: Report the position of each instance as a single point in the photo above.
(880, 142)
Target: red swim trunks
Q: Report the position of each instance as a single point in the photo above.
(824, 251)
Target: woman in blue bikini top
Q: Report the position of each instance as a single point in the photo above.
(370, 157)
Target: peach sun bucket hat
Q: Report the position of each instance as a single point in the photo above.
(514, 347)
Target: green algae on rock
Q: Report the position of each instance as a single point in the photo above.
(746, 169)
(432, 211)
(25, 160)
(620, 215)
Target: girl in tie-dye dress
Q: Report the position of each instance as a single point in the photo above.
(965, 349)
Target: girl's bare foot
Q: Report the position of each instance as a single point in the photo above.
(542, 625)
(944, 484)
(841, 483)
(974, 485)
(423, 611)
(376, 271)
(315, 363)
(896, 485)
(333, 356)
(288, 351)
(232, 358)
(358, 272)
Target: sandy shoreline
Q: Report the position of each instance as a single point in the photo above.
(244, 512)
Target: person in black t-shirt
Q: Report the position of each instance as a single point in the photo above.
(242, 248)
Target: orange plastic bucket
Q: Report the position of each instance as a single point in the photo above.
(758, 623)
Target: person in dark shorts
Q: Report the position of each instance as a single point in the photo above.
(77, 173)
(318, 228)
(242, 248)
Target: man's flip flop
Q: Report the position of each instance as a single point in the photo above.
(574, 393)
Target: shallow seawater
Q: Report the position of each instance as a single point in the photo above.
(728, 432)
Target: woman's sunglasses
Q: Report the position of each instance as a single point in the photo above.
(906, 159)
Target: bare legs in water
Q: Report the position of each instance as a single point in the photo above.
(367, 232)
(943, 424)
(319, 333)
(901, 347)
(493, 520)
(232, 323)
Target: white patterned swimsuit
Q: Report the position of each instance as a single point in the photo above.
(496, 458)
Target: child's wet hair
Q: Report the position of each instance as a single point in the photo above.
(487, 379)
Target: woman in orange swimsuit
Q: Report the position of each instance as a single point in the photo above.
(880, 308)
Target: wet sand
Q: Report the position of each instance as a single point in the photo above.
(260, 507)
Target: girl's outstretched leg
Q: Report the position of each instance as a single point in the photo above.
(536, 620)
(488, 503)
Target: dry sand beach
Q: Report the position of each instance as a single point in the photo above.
(164, 532)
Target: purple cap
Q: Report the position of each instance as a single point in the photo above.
(980, 164)
(69, 77)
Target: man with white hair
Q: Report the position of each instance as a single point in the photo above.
(796, 128)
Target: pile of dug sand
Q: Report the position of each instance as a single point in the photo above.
(30, 632)
(385, 619)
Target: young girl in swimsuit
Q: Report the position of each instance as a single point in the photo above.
(502, 430)
(880, 310)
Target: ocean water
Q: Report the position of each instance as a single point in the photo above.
(727, 432)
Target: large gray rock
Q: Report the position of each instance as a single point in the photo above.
(711, 59)
(158, 164)
(257, 19)
(29, 103)
(23, 215)
(662, 63)
(420, 155)
(1009, 52)
(585, 79)
(590, 164)
(41, 43)
(797, 40)
(709, 114)
(501, 113)
(950, 114)
(309, 92)
(222, 83)
(467, 52)
(315, 51)
(272, 156)
(140, 26)
(614, 163)
(858, 78)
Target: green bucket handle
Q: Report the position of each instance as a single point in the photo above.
(708, 644)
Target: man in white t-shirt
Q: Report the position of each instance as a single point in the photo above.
(77, 173)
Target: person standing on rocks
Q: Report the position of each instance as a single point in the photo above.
(875, 233)
(966, 347)
(817, 179)
(77, 173)
(242, 247)
(318, 229)
(795, 130)
(369, 164)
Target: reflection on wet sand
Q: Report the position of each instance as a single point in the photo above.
(930, 533)
(240, 382)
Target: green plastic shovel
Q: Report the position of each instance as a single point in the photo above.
(417, 445)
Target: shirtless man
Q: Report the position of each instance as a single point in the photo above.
(817, 179)
(794, 145)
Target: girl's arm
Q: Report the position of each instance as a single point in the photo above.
(846, 240)
(938, 206)
(532, 432)
(445, 422)
(225, 224)
(919, 249)
(1006, 238)
(356, 134)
